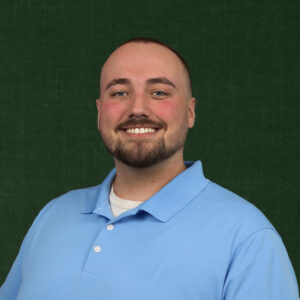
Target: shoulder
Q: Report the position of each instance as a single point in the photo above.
(76, 201)
(78, 196)
(232, 205)
(232, 215)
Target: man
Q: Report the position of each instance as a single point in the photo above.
(155, 228)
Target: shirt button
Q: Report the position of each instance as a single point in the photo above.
(97, 249)
(110, 227)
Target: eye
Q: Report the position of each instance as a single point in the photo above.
(119, 94)
(160, 93)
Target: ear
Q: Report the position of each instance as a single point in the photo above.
(98, 116)
(191, 112)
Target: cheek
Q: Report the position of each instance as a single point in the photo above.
(110, 112)
(170, 111)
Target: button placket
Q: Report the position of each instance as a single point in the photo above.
(95, 256)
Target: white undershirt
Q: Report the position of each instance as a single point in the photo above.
(119, 205)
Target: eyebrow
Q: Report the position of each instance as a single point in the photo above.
(162, 80)
(117, 81)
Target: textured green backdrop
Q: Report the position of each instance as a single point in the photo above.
(244, 59)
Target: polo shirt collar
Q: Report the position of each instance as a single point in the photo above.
(174, 196)
(98, 201)
(167, 202)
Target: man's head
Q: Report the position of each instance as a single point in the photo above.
(145, 108)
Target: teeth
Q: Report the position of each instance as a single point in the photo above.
(140, 130)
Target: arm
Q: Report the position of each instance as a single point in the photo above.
(260, 269)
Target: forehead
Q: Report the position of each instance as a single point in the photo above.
(141, 61)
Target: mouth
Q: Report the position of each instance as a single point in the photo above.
(140, 127)
(140, 131)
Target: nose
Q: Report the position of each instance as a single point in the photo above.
(139, 106)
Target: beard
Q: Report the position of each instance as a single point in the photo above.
(141, 157)
(147, 152)
(143, 154)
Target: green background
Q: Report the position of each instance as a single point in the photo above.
(244, 60)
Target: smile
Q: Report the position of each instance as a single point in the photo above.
(140, 130)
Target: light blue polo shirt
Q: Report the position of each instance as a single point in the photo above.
(193, 240)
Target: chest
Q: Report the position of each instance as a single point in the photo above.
(134, 258)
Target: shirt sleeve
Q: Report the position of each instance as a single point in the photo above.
(260, 269)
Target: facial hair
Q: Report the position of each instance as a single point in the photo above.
(145, 153)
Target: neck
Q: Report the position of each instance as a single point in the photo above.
(139, 184)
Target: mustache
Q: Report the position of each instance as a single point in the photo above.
(141, 122)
